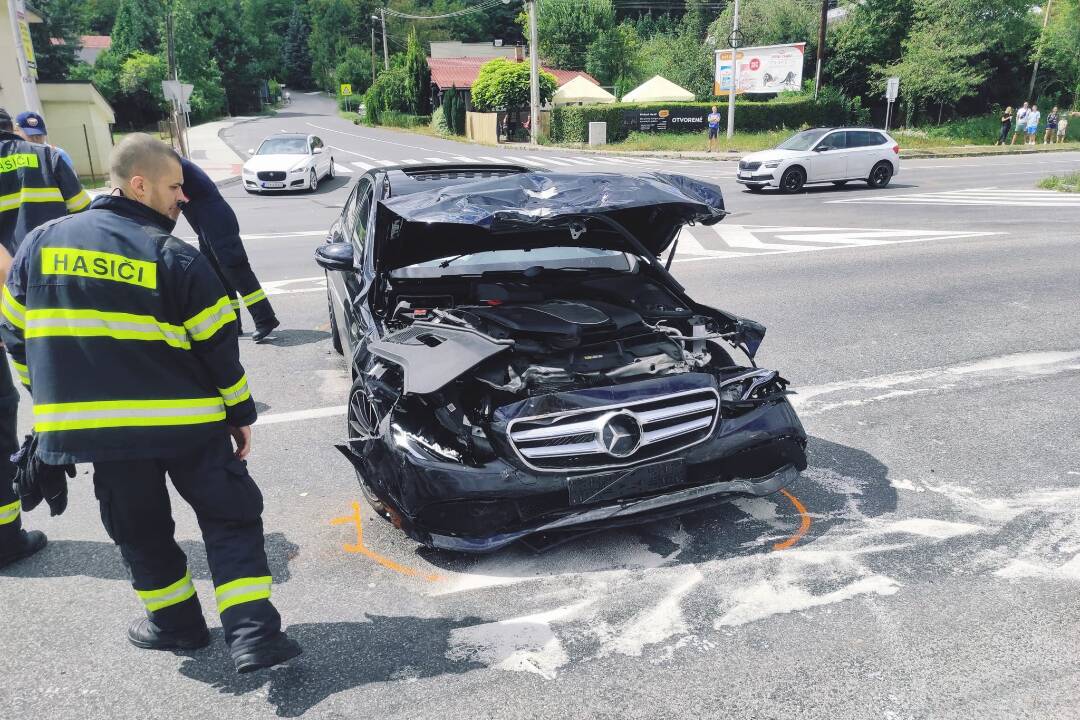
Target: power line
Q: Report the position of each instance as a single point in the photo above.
(487, 4)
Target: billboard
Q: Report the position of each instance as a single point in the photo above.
(674, 119)
(768, 69)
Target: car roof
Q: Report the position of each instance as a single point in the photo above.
(408, 179)
(288, 135)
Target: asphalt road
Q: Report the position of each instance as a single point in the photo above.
(933, 335)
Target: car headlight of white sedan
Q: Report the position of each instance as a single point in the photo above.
(298, 171)
(771, 164)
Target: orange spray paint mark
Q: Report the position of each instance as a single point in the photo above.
(360, 549)
(803, 526)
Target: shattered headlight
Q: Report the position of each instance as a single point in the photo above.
(747, 385)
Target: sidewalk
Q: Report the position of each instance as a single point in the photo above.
(212, 154)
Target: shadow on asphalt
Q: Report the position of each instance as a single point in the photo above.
(338, 657)
(846, 479)
(89, 558)
(292, 338)
(851, 186)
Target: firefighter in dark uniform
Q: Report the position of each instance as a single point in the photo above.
(134, 366)
(219, 240)
(35, 186)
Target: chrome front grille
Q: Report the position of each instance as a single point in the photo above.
(615, 435)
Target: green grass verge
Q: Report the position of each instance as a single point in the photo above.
(1062, 183)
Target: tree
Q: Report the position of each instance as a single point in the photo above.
(614, 58)
(335, 25)
(504, 84)
(295, 53)
(196, 63)
(59, 19)
(419, 76)
(97, 17)
(136, 27)
(266, 23)
(773, 22)
(567, 27)
(1059, 50)
(389, 93)
(215, 22)
(682, 59)
(870, 34)
(453, 105)
(355, 69)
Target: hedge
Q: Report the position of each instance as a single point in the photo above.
(570, 123)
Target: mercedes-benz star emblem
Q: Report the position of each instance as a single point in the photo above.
(621, 434)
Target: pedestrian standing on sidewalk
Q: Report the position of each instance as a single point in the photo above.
(36, 186)
(1032, 121)
(1006, 125)
(1051, 126)
(1021, 122)
(714, 129)
(1063, 128)
(219, 240)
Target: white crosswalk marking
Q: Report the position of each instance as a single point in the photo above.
(574, 161)
(409, 161)
(524, 160)
(974, 196)
(386, 163)
(362, 165)
(497, 161)
(462, 158)
(437, 160)
(556, 161)
(342, 169)
(724, 241)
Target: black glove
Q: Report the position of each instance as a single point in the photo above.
(37, 480)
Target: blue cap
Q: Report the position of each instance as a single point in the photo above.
(31, 123)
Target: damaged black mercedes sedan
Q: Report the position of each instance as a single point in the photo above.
(524, 364)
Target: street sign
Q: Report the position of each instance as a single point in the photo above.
(176, 91)
(346, 89)
(892, 89)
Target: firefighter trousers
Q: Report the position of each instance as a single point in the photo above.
(241, 285)
(135, 510)
(10, 509)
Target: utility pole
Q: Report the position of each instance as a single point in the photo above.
(385, 51)
(821, 44)
(734, 71)
(1038, 53)
(534, 73)
(374, 19)
(174, 73)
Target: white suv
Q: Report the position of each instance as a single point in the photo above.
(818, 155)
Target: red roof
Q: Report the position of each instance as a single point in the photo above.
(462, 72)
(93, 42)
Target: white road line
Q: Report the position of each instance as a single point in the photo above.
(462, 158)
(737, 236)
(497, 161)
(524, 160)
(409, 161)
(296, 415)
(386, 163)
(375, 139)
(366, 157)
(573, 161)
(556, 161)
(362, 165)
(437, 160)
(342, 169)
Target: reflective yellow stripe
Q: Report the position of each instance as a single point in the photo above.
(174, 594)
(242, 591)
(127, 413)
(13, 310)
(23, 372)
(62, 322)
(252, 298)
(14, 201)
(236, 303)
(98, 265)
(9, 513)
(203, 325)
(77, 203)
(10, 163)
(236, 393)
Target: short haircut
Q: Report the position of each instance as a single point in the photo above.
(5, 121)
(139, 154)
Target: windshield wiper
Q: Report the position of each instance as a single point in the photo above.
(447, 261)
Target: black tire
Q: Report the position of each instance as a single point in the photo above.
(880, 175)
(792, 180)
(335, 338)
(839, 183)
(755, 188)
(314, 180)
(358, 400)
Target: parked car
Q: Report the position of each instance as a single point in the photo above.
(818, 155)
(288, 161)
(524, 364)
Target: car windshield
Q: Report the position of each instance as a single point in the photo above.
(284, 146)
(802, 141)
(549, 258)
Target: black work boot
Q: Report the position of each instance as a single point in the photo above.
(266, 654)
(261, 331)
(31, 542)
(143, 633)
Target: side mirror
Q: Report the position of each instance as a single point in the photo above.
(335, 256)
(316, 151)
(251, 151)
(822, 148)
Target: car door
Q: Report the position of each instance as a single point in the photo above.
(358, 222)
(861, 153)
(829, 160)
(321, 157)
(335, 281)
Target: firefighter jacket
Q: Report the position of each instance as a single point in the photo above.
(36, 186)
(124, 336)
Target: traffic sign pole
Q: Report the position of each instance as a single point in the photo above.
(734, 42)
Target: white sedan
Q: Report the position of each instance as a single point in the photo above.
(289, 161)
(836, 155)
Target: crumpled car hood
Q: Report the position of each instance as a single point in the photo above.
(534, 210)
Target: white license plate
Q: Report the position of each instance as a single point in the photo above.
(273, 185)
(744, 174)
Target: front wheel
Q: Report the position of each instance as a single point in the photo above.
(792, 180)
(363, 422)
(880, 175)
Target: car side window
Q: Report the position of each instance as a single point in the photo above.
(348, 213)
(358, 223)
(874, 138)
(835, 141)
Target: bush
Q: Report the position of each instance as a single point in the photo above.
(393, 118)
(570, 123)
(503, 84)
(438, 121)
(389, 93)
